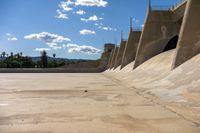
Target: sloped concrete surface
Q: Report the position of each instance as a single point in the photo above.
(81, 103)
(120, 52)
(114, 57)
(189, 42)
(176, 90)
(131, 47)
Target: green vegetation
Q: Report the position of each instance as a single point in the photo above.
(15, 61)
(20, 61)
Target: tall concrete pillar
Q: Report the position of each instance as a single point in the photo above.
(189, 40)
(131, 48)
(114, 57)
(108, 48)
(110, 59)
(159, 28)
(120, 52)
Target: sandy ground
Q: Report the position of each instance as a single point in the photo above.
(58, 103)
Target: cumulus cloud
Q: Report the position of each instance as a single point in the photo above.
(42, 49)
(106, 28)
(74, 48)
(47, 37)
(87, 32)
(92, 18)
(61, 15)
(56, 47)
(65, 5)
(11, 37)
(50, 39)
(98, 3)
(80, 12)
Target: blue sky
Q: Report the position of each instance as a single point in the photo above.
(71, 29)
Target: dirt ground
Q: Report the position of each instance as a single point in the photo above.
(81, 103)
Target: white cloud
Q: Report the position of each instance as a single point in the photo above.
(47, 37)
(69, 2)
(74, 48)
(80, 12)
(42, 49)
(65, 5)
(142, 25)
(52, 40)
(98, 3)
(87, 32)
(92, 18)
(107, 28)
(56, 47)
(61, 15)
(100, 18)
(12, 39)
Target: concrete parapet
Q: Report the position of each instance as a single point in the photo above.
(189, 40)
(131, 48)
(51, 70)
(159, 29)
(120, 52)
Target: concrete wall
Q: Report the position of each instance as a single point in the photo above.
(86, 64)
(104, 61)
(90, 66)
(114, 57)
(98, 65)
(189, 40)
(131, 48)
(108, 48)
(110, 58)
(120, 52)
(51, 70)
(159, 28)
(179, 12)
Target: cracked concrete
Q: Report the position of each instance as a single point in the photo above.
(56, 103)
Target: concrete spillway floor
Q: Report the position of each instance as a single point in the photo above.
(58, 103)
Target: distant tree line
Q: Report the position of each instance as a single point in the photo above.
(19, 61)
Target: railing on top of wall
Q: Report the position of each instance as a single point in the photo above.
(124, 39)
(167, 8)
(178, 4)
(161, 8)
(137, 28)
